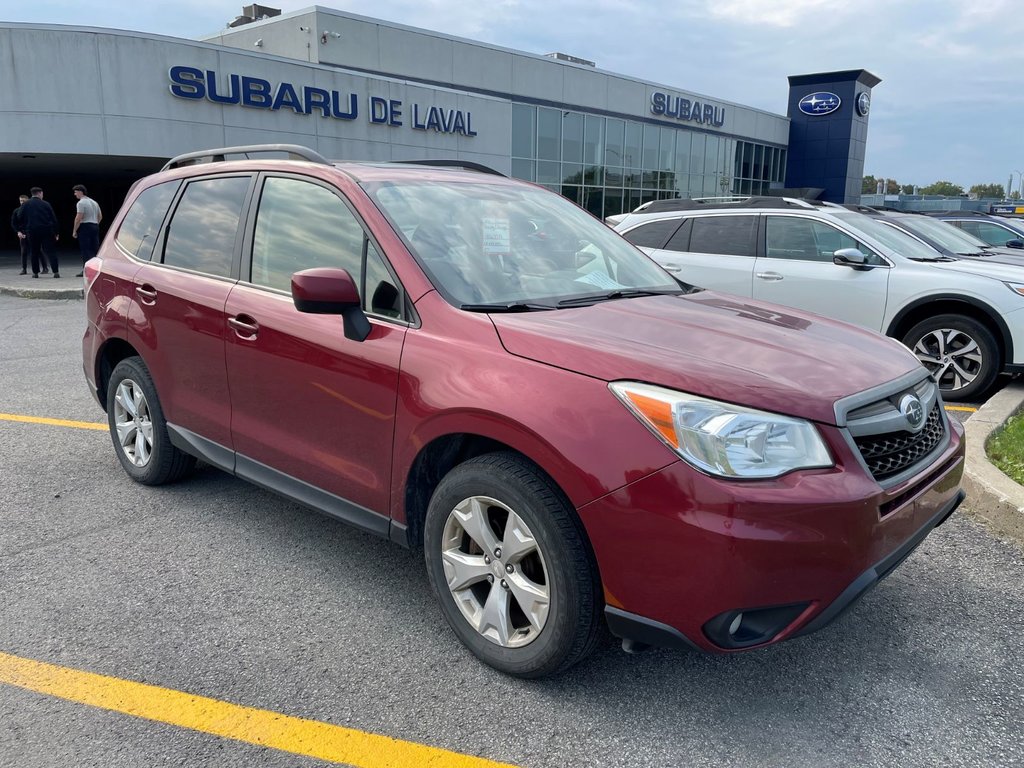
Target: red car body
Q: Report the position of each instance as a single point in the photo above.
(359, 429)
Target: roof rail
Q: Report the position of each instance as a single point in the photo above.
(689, 204)
(467, 165)
(294, 152)
(957, 213)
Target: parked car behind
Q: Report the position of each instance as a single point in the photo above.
(964, 319)
(1002, 231)
(474, 366)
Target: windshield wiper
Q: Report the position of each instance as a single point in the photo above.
(628, 293)
(508, 306)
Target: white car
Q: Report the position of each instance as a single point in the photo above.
(964, 319)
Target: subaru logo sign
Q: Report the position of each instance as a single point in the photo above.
(820, 103)
(912, 411)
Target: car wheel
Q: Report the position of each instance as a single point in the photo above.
(960, 352)
(138, 428)
(508, 561)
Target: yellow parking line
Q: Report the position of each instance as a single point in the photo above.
(253, 726)
(961, 408)
(53, 422)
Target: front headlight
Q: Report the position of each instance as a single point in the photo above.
(723, 439)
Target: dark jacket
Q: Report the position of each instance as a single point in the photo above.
(16, 219)
(37, 215)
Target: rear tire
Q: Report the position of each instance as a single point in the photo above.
(138, 428)
(509, 563)
(961, 354)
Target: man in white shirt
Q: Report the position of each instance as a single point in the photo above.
(87, 224)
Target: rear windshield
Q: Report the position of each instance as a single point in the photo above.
(501, 242)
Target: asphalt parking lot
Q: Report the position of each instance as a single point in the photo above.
(214, 588)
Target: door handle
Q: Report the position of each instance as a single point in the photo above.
(244, 328)
(771, 276)
(671, 267)
(147, 293)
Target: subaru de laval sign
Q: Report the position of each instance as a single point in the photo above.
(819, 103)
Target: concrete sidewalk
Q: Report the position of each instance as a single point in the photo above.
(67, 286)
(991, 496)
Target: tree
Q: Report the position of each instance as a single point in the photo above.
(946, 188)
(868, 185)
(907, 189)
(1015, 195)
(989, 190)
(892, 187)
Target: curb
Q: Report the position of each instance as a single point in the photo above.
(992, 496)
(43, 293)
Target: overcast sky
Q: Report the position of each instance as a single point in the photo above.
(950, 105)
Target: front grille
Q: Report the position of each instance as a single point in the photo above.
(889, 454)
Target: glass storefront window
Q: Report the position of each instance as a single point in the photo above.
(548, 172)
(572, 137)
(524, 131)
(698, 144)
(667, 150)
(549, 134)
(572, 173)
(631, 153)
(524, 169)
(711, 155)
(614, 147)
(593, 141)
(650, 154)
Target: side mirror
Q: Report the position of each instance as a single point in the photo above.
(1015, 243)
(329, 291)
(851, 257)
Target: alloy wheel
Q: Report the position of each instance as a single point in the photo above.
(133, 423)
(953, 357)
(495, 570)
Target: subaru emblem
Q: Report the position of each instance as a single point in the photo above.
(912, 411)
(819, 103)
(863, 104)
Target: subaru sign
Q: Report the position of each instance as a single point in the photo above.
(819, 103)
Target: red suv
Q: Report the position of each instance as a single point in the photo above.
(473, 365)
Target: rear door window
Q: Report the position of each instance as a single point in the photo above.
(203, 229)
(140, 226)
(730, 235)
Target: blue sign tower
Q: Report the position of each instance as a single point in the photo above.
(828, 132)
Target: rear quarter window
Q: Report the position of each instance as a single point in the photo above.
(203, 229)
(653, 234)
(729, 235)
(140, 226)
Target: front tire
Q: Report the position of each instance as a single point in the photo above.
(138, 428)
(509, 564)
(961, 354)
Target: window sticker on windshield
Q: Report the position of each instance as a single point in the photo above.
(600, 279)
(496, 236)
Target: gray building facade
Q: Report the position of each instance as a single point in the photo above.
(357, 88)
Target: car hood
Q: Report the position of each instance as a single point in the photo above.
(995, 267)
(999, 256)
(713, 345)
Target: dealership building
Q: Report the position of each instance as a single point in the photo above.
(104, 107)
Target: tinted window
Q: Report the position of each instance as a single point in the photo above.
(806, 240)
(733, 235)
(990, 233)
(201, 235)
(680, 241)
(300, 226)
(653, 234)
(138, 230)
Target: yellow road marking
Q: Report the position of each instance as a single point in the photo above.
(231, 721)
(961, 408)
(54, 422)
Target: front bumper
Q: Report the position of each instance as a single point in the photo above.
(685, 557)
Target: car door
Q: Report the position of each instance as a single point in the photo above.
(715, 252)
(312, 411)
(796, 268)
(178, 316)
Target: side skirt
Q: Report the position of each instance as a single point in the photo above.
(284, 485)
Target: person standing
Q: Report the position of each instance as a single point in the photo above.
(39, 223)
(87, 224)
(22, 240)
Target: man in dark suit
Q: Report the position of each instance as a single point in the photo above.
(22, 240)
(39, 224)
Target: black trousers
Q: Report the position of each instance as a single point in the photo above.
(40, 242)
(23, 244)
(88, 240)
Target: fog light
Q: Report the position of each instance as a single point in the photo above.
(751, 626)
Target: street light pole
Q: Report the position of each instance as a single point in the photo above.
(1020, 187)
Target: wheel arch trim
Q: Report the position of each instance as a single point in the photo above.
(900, 324)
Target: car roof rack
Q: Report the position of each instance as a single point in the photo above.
(958, 213)
(696, 203)
(294, 152)
(466, 165)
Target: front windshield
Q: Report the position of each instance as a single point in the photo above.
(944, 233)
(894, 240)
(501, 243)
(1014, 224)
